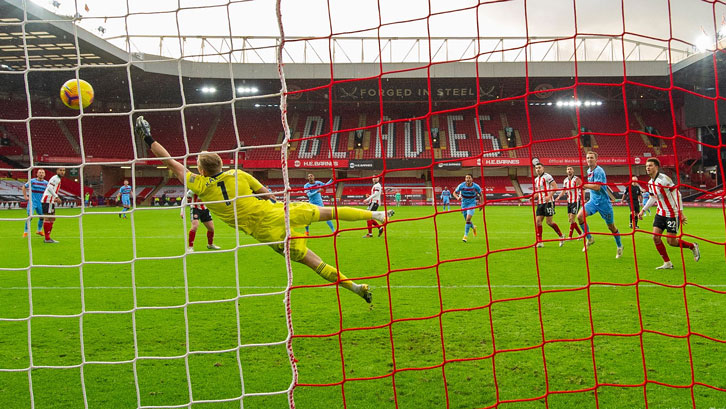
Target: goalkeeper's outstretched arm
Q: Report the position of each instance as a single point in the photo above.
(265, 194)
(143, 130)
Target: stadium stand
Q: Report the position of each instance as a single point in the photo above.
(214, 129)
(491, 184)
(714, 196)
(13, 190)
(107, 137)
(11, 174)
(144, 186)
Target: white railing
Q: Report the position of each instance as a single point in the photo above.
(357, 50)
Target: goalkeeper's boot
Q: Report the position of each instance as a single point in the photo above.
(383, 217)
(366, 293)
(213, 247)
(696, 252)
(142, 128)
(40, 233)
(380, 231)
(666, 266)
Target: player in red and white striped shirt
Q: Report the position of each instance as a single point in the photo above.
(199, 212)
(670, 211)
(373, 201)
(544, 188)
(572, 186)
(49, 199)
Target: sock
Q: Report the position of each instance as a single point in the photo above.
(685, 244)
(330, 224)
(307, 228)
(577, 228)
(369, 224)
(572, 228)
(618, 241)
(192, 235)
(539, 232)
(40, 224)
(352, 214)
(466, 229)
(557, 229)
(585, 230)
(47, 227)
(210, 236)
(329, 273)
(662, 250)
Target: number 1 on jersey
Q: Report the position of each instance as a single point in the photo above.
(224, 192)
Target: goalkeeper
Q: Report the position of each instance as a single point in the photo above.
(228, 195)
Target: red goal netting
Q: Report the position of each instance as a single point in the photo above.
(646, 112)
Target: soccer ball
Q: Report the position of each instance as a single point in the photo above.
(70, 94)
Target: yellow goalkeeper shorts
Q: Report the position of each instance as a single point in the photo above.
(272, 228)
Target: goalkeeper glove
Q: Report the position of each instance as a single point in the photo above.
(143, 130)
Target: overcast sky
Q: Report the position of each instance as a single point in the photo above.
(684, 23)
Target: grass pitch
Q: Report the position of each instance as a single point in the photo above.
(492, 320)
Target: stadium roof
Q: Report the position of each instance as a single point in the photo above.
(52, 54)
(50, 43)
(48, 39)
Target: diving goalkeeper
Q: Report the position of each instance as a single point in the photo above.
(228, 195)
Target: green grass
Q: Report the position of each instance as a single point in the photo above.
(469, 332)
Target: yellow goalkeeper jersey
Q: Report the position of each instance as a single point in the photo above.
(225, 189)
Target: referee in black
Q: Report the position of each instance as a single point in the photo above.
(634, 197)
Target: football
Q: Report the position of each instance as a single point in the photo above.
(74, 91)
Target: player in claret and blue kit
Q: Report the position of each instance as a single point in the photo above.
(125, 195)
(37, 188)
(599, 203)
(312, 190)
(469, 193)
(445, 198)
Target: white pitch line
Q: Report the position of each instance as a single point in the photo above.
(332, 287)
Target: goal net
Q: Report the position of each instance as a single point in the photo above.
(477, 304)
